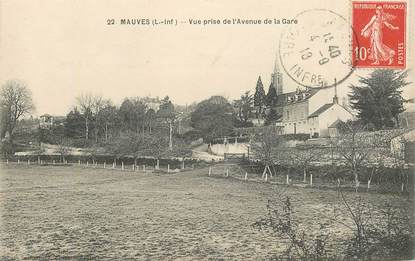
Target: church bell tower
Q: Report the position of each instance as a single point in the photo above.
(276, 77)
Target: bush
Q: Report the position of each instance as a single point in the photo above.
(281, 221)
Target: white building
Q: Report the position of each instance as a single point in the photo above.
(308, 111)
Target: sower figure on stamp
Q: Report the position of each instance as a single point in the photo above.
(379, 51)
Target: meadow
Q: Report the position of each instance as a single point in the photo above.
(54, 212)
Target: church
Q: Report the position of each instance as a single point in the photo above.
(307, 110)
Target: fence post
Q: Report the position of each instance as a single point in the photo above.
(368, 184)
(144, 167)
(305, 176)
(183, 164)
(28, 162)
(246, 175)
(38, 160)
(122, 165)
(311, 179)
(157, 164)
(288, 179)
(210, 171)
(7, 161)
(227, 172)
(79, 162)
(168, 168)
(105, 164)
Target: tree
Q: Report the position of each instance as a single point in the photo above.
(271, 117)
(149, 119)
(354, 146)
(213, 117)
(265, 146)
(378, 98)
(16, 101)
(107, 118)
(167, 114)
(271, 98)
(304, 156)
(74, 124)
(244, 107)
(86, 102)
(132, 111)
(259, 97)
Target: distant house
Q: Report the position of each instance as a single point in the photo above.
(45, 121)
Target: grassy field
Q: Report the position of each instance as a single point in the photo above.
(76, 213)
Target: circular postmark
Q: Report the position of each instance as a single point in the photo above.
(316, 52)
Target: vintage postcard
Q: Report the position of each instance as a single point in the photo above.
(207, 130)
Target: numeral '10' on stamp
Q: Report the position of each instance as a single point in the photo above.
(380, 34)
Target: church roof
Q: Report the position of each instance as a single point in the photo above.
(320, 110)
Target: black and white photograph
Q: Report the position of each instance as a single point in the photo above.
(207, 130)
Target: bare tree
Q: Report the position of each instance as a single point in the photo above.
(265, 147)
(88, 105)
(63, 148)
(353, 146)
(304, 156)
(16, 101)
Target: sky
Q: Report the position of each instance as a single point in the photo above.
(62, 49)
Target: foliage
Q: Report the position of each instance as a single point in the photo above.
(6, 148)
(297, 136)
(74, 124)
(271, 98)
(259, 97)
(378, 98)
(131, 112)
(389, 235)
(272, 116)
(213, 117)
(243, 107)
(384, 235)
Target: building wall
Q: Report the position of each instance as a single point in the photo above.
(313, 125)
(221, 149)
(322, 97)
(328, 117)
(294, 117)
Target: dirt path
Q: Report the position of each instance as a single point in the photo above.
(52, 212)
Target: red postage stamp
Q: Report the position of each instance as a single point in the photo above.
(380, 29)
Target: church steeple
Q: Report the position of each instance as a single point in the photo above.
(276, 77)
